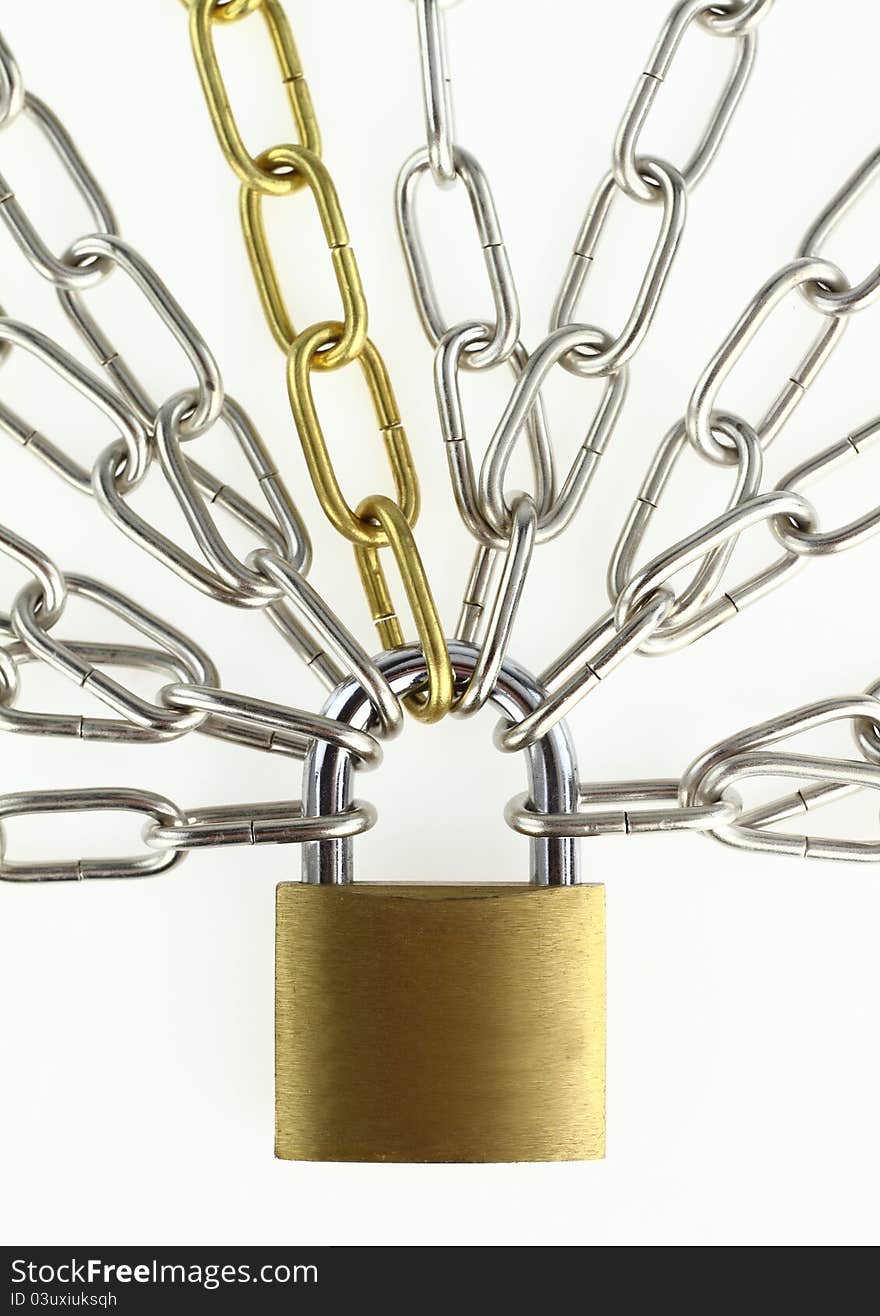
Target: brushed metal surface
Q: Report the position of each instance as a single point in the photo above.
(440, 1023)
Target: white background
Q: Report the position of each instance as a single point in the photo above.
(136, 1019)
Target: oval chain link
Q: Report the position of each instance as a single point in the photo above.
(671, 187)
(117, 254)
(16, 219)
(247, 167)
(134, 457)
(287, 160)
(821, 542)
(303, 358)
(505, 331)
(41, 642)
(629, 170)
(88, 800)
(437, 700)
(704, 399)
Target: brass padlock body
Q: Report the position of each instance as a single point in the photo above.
(440, 1023)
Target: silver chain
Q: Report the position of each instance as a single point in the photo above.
(649, 614)
(631, 626)
(271, 579)
(492, 514)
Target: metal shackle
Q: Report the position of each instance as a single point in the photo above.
(552, 764)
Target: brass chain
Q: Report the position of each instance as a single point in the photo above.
(328, 345)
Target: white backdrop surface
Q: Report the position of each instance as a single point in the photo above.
(136, 1019)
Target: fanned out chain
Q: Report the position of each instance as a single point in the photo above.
(272, 579)
(649, 613)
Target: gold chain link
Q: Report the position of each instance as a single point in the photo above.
(279, 171)
(304, 355)
(316, 175)
(435, 703)
(202, 16)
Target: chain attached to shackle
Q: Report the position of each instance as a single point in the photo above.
(651, 612)
(647, 615)
(270, 579)
(280, 171)
(492, 514)
(193, 701)
(637, 621)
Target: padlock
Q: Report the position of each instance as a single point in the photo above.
(420, 1022)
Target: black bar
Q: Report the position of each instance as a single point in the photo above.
(257, 1279)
